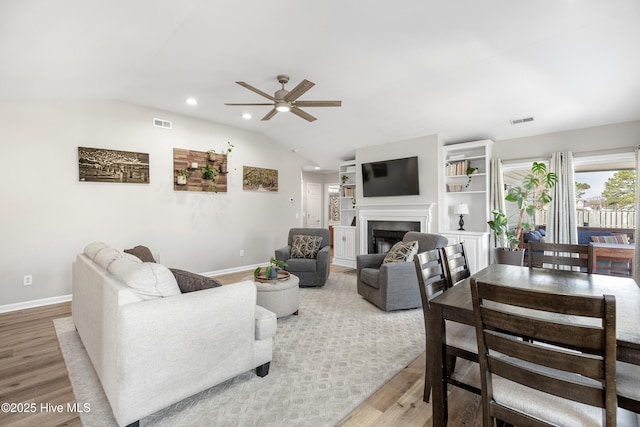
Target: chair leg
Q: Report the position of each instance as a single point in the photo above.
(427, 383)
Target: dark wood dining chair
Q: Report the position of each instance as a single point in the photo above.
(565, 375)
(561, 256)
(456, 263)
(460, 339)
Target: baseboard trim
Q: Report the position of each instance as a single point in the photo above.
(34, 303)
(233, 270)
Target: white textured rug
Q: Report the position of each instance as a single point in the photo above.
(326, 361)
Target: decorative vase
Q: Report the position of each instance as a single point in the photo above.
(273, 273)
(212, 157)
(182, 180)
(503, 256)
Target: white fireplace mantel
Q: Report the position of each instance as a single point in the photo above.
(414, 212)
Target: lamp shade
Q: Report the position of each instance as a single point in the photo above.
(461, 209)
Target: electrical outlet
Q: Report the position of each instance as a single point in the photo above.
(241, 252)
(27, 280)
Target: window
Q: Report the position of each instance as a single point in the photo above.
(606, 190)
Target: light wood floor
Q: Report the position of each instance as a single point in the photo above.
(32, 371)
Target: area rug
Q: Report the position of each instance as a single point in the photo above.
(326, 361)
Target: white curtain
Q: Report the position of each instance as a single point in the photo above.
(562, 226)
(496, 197)
(496, 181)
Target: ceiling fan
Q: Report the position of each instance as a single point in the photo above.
(284, 100)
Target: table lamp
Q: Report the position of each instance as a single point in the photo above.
(461, 209)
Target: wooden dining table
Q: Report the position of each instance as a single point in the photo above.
(456, 305)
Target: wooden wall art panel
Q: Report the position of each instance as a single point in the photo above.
(193, 163)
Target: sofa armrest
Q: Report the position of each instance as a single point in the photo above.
(402, 274)
(369, 260)
(185, 343)
(283, 253)
(266, 323)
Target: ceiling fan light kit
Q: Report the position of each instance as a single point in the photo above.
(284, 100)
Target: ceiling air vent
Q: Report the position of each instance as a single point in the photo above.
(518, 121)
(160, 123)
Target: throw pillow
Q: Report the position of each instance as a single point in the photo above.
(106, 256)
(402, 252)
(189, 282)
(92, 249)
(148, 280)
(142, 252)
(614, 238)
(305, 246)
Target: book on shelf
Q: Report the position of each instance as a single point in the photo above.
(457, 168)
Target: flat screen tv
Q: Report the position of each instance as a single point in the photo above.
(398, 177)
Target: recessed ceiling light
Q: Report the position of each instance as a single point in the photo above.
(317, 168)
(192, 101)
(246, 116)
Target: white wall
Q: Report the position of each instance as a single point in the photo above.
(48, 216)
(426, 148)
(580, 140)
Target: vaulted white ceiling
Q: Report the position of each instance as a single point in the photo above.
(461, 68)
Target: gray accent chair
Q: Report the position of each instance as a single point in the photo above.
(394, 286)
(311, 272)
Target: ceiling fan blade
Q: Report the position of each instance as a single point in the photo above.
(299, 90)
(266, 103)
(270, 114)
(318, 103)
(258, 91)
(298, 112)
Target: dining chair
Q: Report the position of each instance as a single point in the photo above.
(562, 256)
(460, 338)
(456, 263)
(565, 375)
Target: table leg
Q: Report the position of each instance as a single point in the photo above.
(437, 357)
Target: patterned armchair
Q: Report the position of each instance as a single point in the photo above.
(307, 255)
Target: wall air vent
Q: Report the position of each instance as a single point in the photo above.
(518, 121)
(160, 123)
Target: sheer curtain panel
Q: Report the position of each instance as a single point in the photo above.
(562, 225)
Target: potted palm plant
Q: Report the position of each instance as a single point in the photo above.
(531, 196)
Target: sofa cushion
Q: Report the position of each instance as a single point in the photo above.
(302, 265)
(142, 252)
(147, 279)
(92, 249)
(370, 277)
(532, 236)
(622, 239)
(402, 252)
(305, 246)
(190, 282)
(106, 256)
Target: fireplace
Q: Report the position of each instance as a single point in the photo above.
(382, 235)
(392, 222)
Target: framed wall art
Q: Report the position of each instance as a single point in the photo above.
(259, 179)
(101, 165)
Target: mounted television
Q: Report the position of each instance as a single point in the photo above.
(398, 177)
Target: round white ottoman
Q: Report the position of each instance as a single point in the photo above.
(280, 296)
